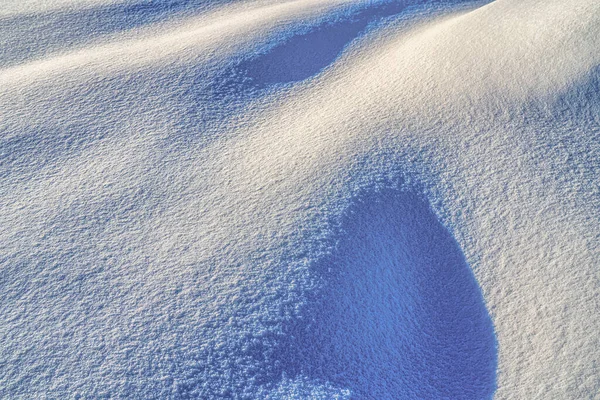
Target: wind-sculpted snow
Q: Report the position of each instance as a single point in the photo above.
(398, 314)
(299, 199)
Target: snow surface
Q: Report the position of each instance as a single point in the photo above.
(312, 199)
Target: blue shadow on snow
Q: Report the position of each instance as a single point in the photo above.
(304, 56)
(400, 315)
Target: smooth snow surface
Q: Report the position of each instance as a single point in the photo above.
(300, 199)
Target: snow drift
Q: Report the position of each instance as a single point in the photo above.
(299, 199)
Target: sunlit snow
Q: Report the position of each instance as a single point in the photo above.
(300, 199)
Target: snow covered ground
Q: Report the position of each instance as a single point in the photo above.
(300, 199)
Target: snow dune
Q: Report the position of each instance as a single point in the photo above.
(300, 199)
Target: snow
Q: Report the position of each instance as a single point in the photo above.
(300, 199)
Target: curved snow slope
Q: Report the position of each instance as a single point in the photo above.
(33, 29)
(300, 199)
(399, 314)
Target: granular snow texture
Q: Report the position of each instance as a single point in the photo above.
(300, 199)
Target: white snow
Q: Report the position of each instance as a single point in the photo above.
(177, 223)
